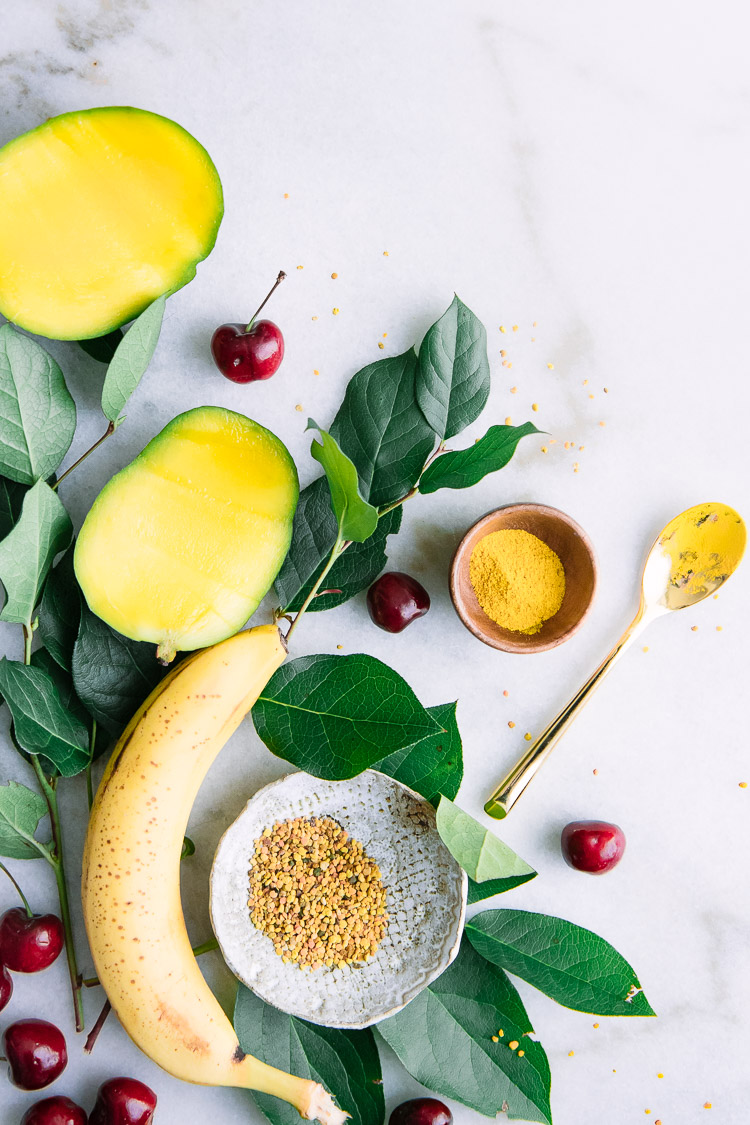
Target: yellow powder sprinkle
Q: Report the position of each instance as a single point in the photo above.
(602, 423)
(591, 396)
(535, 406)
(509, 421)
(743, 785)
(585, 382)
(501, 328)
(511, 724)
(606, 390)
(381, 344)
(515, 327)
(384, 335)
(500, 1032)
(503, 352)
(315, 371)
(521, 1053)
(719, 628)
(596, 772)
(551, 366)
(570, 1054)
(645, 648)
(519, 581)
(334, 276)
(300, 267)
(707, 1105)
(385, 253)
(513, 1044)
(339, 646)
(298, 407)
(596, 1024)
(580, 449)
(495, 1039)
(335, 312)
(286, 195)
(527, 736)
(544, 449)
(505, 693)
(693, 628)
(660, 1076)
(315, 318)
(513, 390)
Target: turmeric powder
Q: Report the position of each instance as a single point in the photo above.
(519, 581)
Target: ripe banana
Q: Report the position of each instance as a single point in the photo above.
(131, 872)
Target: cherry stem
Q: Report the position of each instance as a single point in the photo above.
(109, 430)
(272, 290)
(94, 1033)
(29, 911)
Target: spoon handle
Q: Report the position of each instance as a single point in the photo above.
(513, 784)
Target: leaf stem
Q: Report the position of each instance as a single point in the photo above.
(273, 289)
(94, 1033)
(109, 430)
(29, 911)
(89, 782)
(338, 549)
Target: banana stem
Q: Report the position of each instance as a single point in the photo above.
(24, 900)
(309, 1098)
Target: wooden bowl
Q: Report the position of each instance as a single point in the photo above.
(572, 546)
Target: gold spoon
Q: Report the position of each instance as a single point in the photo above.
(691, 558)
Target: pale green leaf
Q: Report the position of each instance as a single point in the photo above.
(131, 359)
(27, 553)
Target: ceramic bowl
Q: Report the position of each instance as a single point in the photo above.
(426, 899)
(572, 546)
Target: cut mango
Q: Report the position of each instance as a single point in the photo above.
(182, 544)
(101, 211)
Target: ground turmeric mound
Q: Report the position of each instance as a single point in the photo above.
(519, 581)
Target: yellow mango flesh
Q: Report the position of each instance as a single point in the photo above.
(181, 545)
(101, 212)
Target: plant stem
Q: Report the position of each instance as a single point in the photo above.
(274, 287)
(94, 1033)
(212, 943)
(29, 911)
(109, 430)
(338, 549)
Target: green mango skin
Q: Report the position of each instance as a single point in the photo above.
(180, 547)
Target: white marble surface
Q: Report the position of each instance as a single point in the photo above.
(582, 166)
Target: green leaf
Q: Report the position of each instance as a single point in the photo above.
(574, 966)
(346, 1063)
(453, 383)
(63, 681)
(313, 536)
(11, 502)
(478, 892)
(381, 428)
(26, 554)
(131, 359)
(60, 611)
(41, 723)
(37, 413)
(444, 1039)
(333, 716)
(21, 810)
(356, 518)
(188, 848)
(112, 674)
(466, 467)
(481, 854)
(433, 766)
(102, 348)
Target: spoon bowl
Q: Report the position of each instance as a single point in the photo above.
(691, 558)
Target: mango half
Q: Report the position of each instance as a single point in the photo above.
(182, 544)
(101, 211)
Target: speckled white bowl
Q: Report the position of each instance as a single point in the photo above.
(426, 899)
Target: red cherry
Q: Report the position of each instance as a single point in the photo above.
(421, 1111)
(246, 353)
(6, 987)
(592, 845)
(36, 1053)
(123, 1101)
(30, 944)
(395, 600)
(55, 1111)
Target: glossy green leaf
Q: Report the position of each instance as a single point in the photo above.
(333, 716)
(102, 348)
(21, 811)
(346, 1063)
(466, 467)
(313, 536)
(37, 413)
(11, 502)
(382, 429)
(444, 1039)
(478, 892)
(60, 611)
(112, 674)
(27, 553)
(63, 681)
(481, 854)
(574, 966)
(131, 358)
(356, 518)
(41, 723)
(453, 383)
(433, 766)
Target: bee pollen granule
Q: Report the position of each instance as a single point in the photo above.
(316, 894)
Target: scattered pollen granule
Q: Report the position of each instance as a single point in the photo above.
(315, 318)
(315, 371)
(513, 1044)
(719, 628)
(334, 276)
(501, 328)
(742, 784)
(602, 423)
(707, 1105)
(515, 327)
(527, 736)
(511, 724)
(570, 1054)
(596, 774)
(385, 253)
(505, 693)
(645, 648)
(513, 390)
(316, 893)
(503, 352)
(339, 646)
(551, 366)
(286, 195)
(521, 1053)
(535, 406)
(596, 1024)
(508, 421)
(495, 1039)
(544, 449)
(693, 628)
(298, 407)
(300, 267)
(606, 390)
(381, 344)
(335, 312)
